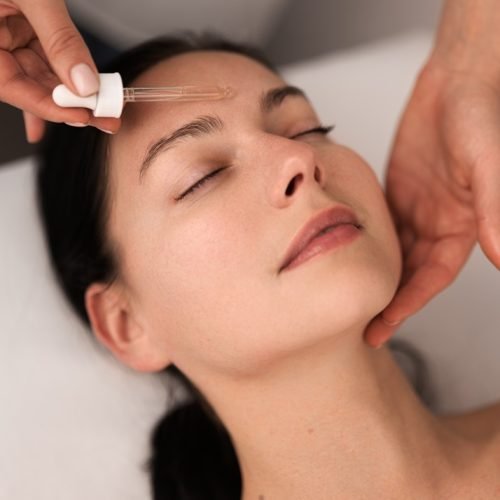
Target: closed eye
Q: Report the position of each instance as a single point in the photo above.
(322, 129)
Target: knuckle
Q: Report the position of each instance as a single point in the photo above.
(61, 40)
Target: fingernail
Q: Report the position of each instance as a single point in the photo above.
(76, 124)
(390, 323)
(107, 131)
(380, 345)
(84, 79)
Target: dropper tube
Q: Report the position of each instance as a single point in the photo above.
(112, 96)
(182, 93)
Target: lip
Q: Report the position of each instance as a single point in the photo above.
(332, 216)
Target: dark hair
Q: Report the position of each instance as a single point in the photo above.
(192, 453)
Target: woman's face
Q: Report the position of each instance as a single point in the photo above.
(202, 272)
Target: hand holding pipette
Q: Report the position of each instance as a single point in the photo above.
(33, 60)
(40, 47)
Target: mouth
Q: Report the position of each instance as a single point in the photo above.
(326, 230)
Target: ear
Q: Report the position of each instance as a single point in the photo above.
(116, 327)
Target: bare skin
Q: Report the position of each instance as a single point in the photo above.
(39, 46)
(482, 424)
(481, 427)
(313, 411)
(445, 159)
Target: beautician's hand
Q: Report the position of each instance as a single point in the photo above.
(442, 185)
(40, 48)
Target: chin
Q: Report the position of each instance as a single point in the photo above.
(345, 292)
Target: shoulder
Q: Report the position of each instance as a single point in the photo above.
(482, 427)
(482, 424)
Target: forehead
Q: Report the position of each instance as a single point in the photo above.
(141, 122)
(247, 77)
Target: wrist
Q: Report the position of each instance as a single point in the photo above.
(481, 67)
(468, 39)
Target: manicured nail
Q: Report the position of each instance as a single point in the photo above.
(84, 79)
(76, 124)
(107, 131)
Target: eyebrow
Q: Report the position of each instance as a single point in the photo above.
(205, 125)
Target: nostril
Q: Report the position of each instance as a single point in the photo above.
(317, 174)
(290, 188)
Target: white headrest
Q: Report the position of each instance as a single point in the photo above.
(74, 422)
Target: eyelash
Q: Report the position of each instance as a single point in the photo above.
(322, 129)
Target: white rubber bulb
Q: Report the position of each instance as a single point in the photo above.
(108, 102)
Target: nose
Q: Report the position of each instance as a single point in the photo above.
(296, 168)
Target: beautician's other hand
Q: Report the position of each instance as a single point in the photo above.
(442, 186)
(40, 48)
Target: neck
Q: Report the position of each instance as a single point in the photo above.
(340, 421)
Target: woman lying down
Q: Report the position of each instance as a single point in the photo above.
(246, 253)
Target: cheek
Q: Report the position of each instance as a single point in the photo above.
(211, 295)
(352, 181)
(381, 229)
(199, 280)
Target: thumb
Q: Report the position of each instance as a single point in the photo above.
(486, 192)
(63, 45)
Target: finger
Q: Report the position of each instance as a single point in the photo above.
(35, 127)
(416, 256)
(21, 91)
(15, 32)
(110, 125)
(36, 68)
(378, 331)
(486, 190)
(407, 238)
(426, 282)
(63, 44)
(8, 10)
(36, 47)
(426, 276)
(422, 280)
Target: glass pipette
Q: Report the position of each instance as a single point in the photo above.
(182, 93)
(112, 96)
